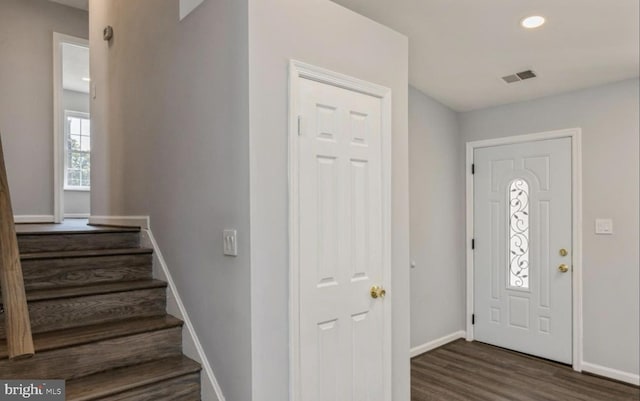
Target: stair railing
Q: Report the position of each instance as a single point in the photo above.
(14, 299)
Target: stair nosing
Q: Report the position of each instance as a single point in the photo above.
(172, 374)
(163, 322)
(85, 253)
(121, 230)
(94, 289)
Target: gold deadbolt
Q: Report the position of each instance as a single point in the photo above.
(563, 252)
(378, 292)
(563, 268)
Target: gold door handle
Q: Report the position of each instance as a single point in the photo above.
(378, 292)
(563, 252)
(563, 268)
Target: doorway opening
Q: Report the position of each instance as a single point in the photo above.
(72, 127)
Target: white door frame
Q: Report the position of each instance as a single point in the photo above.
(576, 188)
(58, 122)
(297, 71)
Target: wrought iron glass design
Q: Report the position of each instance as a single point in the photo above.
(519, 234)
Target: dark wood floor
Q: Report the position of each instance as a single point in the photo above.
(472, 371)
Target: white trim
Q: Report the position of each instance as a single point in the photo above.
(208, 380)
(76, 215)
(576, 178)
(58, 121)
(44, 218)
(125, 221)
(438, 342)
(611, 373)
(297, 71)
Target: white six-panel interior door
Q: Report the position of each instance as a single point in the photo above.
(340, 236)
(523, 238)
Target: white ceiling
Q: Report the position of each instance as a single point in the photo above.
(81, 4)
(75, 66)
(459, 49)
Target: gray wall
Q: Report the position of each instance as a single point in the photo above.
(76, 202)
(436, 171)
(170, 129)
(327, 35)
(26, 96)
(609, 118)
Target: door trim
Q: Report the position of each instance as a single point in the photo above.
(58, 122)
(297, 71)
(576, 198)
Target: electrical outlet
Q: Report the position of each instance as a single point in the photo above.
(230, 242)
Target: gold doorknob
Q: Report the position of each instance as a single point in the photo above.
(378, 292)
(563, 268)
(563, 252)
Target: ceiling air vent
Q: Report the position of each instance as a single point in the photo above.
(519, 76)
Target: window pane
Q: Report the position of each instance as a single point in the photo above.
(74, 142)
(86, 127)
(73, 177)
(85, 145)
(74, 126)
(86, 180)
(519, 234)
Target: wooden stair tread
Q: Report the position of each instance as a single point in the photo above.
(85, 253)
(96, 289)
(123, 379)
(50, 229)
(86, 334)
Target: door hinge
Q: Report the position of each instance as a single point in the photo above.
(473, 168)
(299, 125)
(473, 243)
(473, 318)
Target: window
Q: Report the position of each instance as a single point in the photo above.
(77, 150)
(519, 234)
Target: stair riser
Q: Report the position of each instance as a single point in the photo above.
(83, 360)
(184, 388)
(66, 272)
(29, 243)
(64, 313)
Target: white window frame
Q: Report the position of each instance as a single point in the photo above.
(76, 114)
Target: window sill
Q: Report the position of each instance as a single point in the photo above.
(77, 189)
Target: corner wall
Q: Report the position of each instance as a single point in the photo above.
(325, 34)
(171, 141)
(436, 171)
(26, 96)
(609, 118)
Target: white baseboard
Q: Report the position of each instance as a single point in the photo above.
(438, 342)
(611, 373)
(125, 221)
(211, 390)
(76, 215)
(45, 218)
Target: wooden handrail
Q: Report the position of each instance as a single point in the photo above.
(14, 299)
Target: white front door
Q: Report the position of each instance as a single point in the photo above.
(522, 240)
(344, 346)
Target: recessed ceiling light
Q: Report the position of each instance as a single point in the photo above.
(533, 21)
(85, 79)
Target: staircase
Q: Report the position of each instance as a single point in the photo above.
(99, 319)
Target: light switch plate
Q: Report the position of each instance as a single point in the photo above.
(230, 242)
(604, 226)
